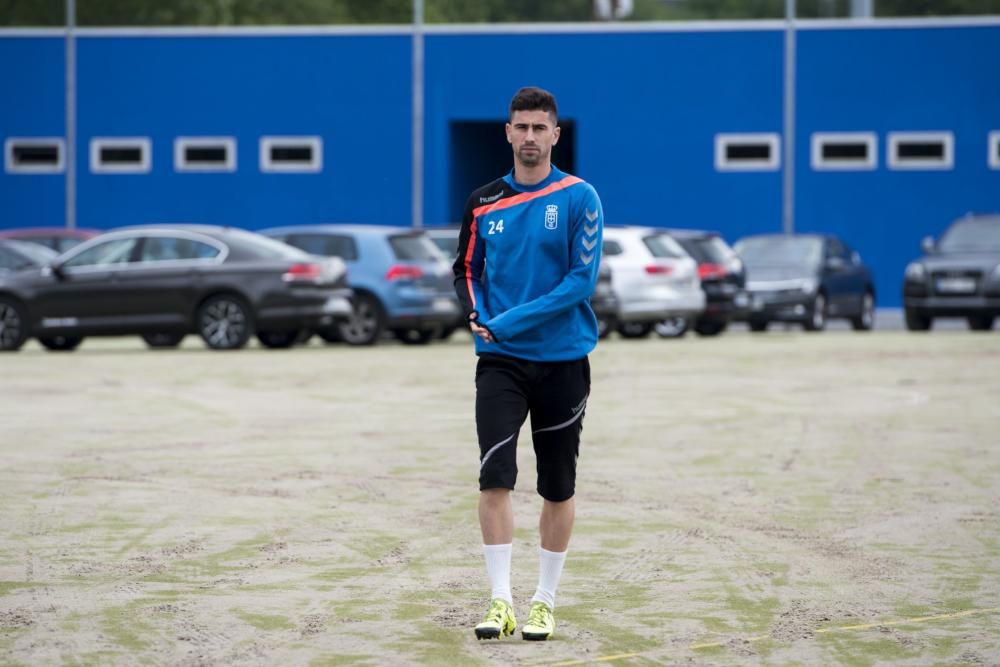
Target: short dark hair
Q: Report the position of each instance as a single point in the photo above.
(531, 98)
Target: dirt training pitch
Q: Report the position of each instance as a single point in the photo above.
(774, 499)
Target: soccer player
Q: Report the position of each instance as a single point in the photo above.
(529, 249)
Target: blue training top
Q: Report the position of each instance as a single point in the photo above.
(527, 265)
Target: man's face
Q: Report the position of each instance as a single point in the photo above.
(532, 134)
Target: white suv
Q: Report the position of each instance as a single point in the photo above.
(655, 280)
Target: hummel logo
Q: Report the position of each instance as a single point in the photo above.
(587, 259)
(590, 230)
(489, 200)
(589, 245)
(591, 216)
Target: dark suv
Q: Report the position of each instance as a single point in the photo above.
(959, 276)
(722, 279)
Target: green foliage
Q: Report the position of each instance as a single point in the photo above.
(338, 12)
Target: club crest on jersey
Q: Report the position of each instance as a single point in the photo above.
(551, 216)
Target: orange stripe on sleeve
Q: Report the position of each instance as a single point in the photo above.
(468, 260)
(526, 196)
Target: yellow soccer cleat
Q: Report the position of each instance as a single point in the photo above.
(541, 623)
(498, 622)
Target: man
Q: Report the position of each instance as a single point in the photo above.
(529, 249)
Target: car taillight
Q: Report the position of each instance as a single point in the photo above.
(403, 272)
(711, 271)
(302, 272)
(659, 269)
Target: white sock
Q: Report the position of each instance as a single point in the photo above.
(550, 566)
(498, 567)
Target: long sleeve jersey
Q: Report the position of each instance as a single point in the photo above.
(527, 264)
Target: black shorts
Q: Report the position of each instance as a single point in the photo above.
(555, 395)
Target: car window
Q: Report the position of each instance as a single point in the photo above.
(835, 249)
(663, 246)
(708, 249)
(780, 250)
(972, 235)
(263, 247)
(414, 248)
(170, 248)
(38, 254)
(325, 245)
(611, 248)
(9, 261)
(116, 251)
(64, 243)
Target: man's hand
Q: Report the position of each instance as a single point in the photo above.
(482, 332)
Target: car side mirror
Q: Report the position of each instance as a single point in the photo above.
(56, 269)
(927, 245)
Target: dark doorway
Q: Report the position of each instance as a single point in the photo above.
(480, 154)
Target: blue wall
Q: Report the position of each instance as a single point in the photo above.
(646, 107)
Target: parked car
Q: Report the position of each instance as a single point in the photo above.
(603, 301)
(163, 282)
(655, 281)
(446, 239)
(401, 281)
(59, 239)
(20, 255)
(807, 279)
(722, 278)
(958, 276)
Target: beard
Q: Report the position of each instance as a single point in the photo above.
(531, 158)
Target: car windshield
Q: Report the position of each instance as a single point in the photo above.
(662, 245)
(780, 250)
(708, 250)
(39, 254)
(972, 235)
(414, 248)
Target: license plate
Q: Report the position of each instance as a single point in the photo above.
(757, 303)
(443, 305)
(956, 285)
(741, 300)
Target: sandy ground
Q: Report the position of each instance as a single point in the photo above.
(752, 499)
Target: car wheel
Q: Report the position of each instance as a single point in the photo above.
(305, 335)
(672, 327)
(980, 322)
(917, 322)
(60, 343)
(415, 336)
(163, 340)
(605, 325)
(13, 325)
(758, 325)
(278, 340)
(866, 320)
(366, 322)
(634, 329)
(709, 328)
(224, 322)
(817, 314)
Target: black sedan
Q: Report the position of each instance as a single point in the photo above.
(164, 282)
(806, 278)
(959, 276)
(722, 279)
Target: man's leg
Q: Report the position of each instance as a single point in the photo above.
(501, 408)
(557, 421)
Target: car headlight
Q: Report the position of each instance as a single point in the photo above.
(808, 286)
(915, 271)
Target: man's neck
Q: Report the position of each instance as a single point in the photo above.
(525, 175)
